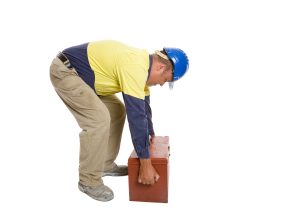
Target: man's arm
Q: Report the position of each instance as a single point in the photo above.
(138, 124)
(149, 116)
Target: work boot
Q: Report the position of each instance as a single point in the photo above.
(101, 193)
(116, 171)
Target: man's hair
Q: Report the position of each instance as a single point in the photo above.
(164, 61)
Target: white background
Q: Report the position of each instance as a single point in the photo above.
(233, 120)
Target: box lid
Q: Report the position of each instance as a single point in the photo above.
(159, 151)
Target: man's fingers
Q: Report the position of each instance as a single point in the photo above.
(149, 181)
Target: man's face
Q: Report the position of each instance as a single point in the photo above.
(160, 77)
(166, 76)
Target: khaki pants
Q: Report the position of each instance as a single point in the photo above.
(101, 119)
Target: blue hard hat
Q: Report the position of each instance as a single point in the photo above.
(180, 62)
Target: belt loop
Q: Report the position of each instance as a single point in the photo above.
(64, 60)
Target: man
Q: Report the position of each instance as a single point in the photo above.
(86, 78)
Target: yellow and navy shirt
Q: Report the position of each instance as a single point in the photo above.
(109, 67)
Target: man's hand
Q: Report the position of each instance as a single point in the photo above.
(147, 174)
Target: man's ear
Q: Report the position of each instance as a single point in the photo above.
(162, 67)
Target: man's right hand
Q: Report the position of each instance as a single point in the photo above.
(147, 173)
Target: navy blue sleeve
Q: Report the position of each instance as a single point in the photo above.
(149, 115)
(138, 124)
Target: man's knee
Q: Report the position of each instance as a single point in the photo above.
(102, 120)
(118, 111)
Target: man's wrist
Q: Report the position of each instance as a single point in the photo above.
(145, 161)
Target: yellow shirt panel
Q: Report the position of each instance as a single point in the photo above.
(119, 68)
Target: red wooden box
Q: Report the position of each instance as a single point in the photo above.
(158, 192)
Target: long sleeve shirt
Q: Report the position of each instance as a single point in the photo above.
(109, 67)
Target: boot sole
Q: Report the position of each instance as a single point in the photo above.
(96, 198)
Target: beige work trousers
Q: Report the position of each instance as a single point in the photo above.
(101, 119)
